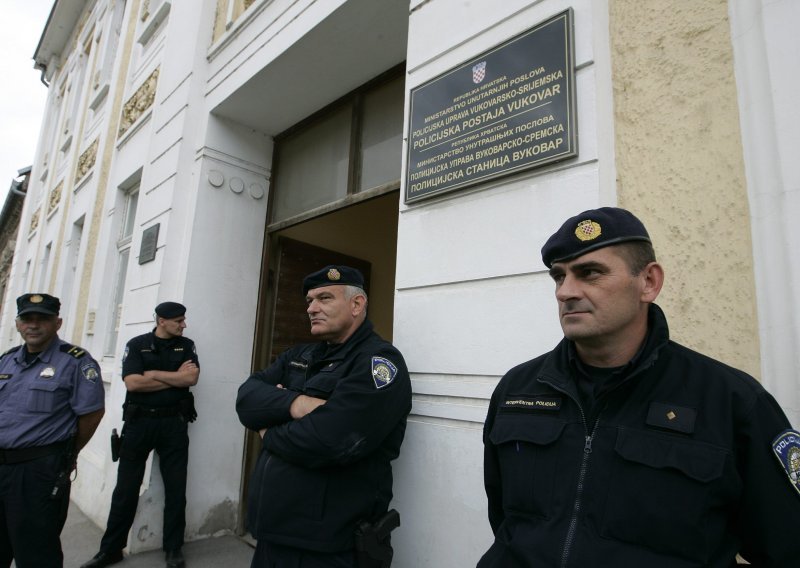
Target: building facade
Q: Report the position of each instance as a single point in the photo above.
(214, 151)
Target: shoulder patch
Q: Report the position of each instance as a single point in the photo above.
(90, 372)
(787, 449)
(383, 371)
(73, 350)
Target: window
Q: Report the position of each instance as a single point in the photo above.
(350, 148)
(45, 267)
(73, 253)
(123, 255)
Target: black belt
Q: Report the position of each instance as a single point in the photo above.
(139, 411)
(19, 455)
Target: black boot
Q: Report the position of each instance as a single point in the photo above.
(175, 559)
(104, 559)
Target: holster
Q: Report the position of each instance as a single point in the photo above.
(68, 464)
(373, 541)
(186, 409)
(116, 444)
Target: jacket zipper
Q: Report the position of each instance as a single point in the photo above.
(576, 507)
(261, 495)
(587, 450)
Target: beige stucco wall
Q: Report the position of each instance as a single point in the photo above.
(680, 167)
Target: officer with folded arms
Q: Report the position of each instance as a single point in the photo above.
(158, 368)
(622, 448)
(51, 401)
(332, 416)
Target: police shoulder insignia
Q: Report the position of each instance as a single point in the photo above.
(90, 372)
(383, 371)
(125, 354)
(588, 230)
(787, 449)
(73, 350)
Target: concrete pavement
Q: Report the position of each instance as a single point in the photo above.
(81, 538)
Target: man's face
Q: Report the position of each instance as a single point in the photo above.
(172, 327)
(37, 330)
(333, 317)
(599, 301)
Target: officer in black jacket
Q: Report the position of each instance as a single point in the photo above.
(621, 448)
(332, 416)
(158, 368)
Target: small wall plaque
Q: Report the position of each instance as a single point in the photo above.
(147, 252)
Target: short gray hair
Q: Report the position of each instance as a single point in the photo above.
(351, 291)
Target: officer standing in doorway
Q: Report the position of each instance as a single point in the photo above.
(158, 368)
(332, 416)
(51, 401)
(623, 448)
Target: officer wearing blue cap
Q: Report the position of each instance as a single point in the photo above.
(332, 416)
(51, 401)
(621, 447)
(158, 368)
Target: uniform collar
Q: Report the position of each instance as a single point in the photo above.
(563, 360)
(328, 352)
(44, 356)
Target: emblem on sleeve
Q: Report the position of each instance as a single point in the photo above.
(125, 355)
(787, 449)
(383, 371)
(90, 372)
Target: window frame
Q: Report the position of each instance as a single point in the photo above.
(353, 195)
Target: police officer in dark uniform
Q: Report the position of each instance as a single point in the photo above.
(332, 416)
(623, 448)
(158, 368)
(51, 401)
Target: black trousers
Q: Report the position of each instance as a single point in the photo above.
(168, 436)
(268, 555)
(30, 520)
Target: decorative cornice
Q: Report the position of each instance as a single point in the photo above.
(55, 197)
(141, 100)
(87, 160)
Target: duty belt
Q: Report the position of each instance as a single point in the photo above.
(19, 455)
(133, 410)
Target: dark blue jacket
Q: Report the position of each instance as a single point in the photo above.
(318, 476)
(672, 468)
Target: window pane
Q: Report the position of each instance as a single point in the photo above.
(312, 166)
(382, 135)
(116, 307)
(130, 214)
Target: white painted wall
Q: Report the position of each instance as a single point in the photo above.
(473, 297)
(765, 46)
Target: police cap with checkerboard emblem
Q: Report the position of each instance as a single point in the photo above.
(332, 275)
(592, 230)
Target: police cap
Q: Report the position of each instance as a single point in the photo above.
(38, 303)
(169, 310)
(592, 230)
(332, 275)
